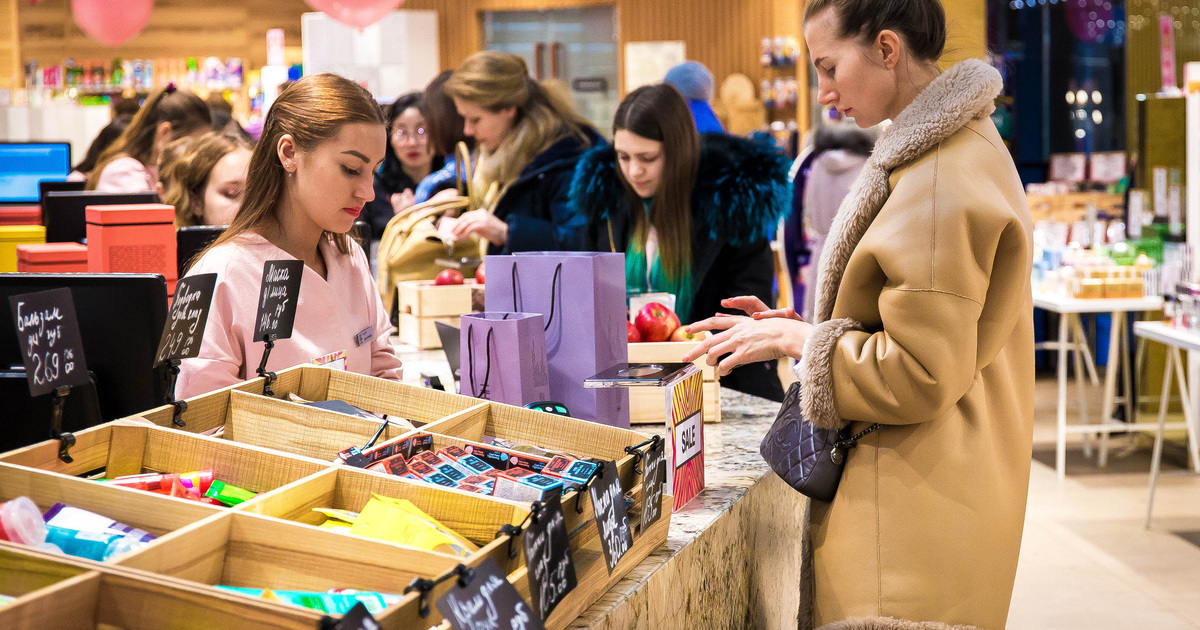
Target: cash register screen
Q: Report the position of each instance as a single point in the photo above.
(24, 164)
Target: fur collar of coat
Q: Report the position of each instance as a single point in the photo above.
(963, 93)
(741, 188)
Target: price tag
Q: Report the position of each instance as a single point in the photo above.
(357, 619)
(278, 297)
(48, 334)
(653, 480)
(487, 601)
(612, 520)
(189, 314)
(548, 556)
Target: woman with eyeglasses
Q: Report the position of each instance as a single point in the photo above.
(410, 159)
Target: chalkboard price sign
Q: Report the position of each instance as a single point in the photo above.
(189, 314)
(487, 601)
(358, 618)
(277, 298)
(548, 556)
(48, 334)
(612, 519)
(653, 480)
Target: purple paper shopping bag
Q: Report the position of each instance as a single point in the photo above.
(582, 297)
(503, 357)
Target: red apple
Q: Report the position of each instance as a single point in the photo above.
(655, 322)
(681, 334)
(631, 333)
(479, 274)
(448, 276)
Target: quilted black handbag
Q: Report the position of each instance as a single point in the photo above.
(808, 458)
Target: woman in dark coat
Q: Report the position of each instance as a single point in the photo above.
(693, 214)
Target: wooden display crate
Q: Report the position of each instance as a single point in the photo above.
(57, 592)
(143, 510)
(474, 517)
(648, 405)
(124, 448)
(421, 303)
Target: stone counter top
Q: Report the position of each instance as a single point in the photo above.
(732, 554)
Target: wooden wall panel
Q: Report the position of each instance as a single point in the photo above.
(10, 44)
(1143, 74)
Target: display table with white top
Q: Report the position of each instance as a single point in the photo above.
(1071, 338)
(1176, 341)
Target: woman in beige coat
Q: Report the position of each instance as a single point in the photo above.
(923, 323)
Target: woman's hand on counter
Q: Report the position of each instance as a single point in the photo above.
(748, 340)
(755, 308)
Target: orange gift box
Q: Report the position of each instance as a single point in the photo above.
(138, 238)
(21, 215)
(52, 258)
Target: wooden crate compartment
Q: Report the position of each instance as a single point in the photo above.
(124, 448)
(251, 551)
(150, 512)
(423, 298)
(74, 597)
(418, 405)
(26, 573)
(476, 518)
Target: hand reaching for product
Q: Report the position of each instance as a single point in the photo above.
(767, 334)
(483, 224)
(402, 201)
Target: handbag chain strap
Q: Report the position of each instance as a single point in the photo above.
(838, 453)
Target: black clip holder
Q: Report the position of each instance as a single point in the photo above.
(579, 494)
(425, 586)
(65, 440)
(269, 339)
(514, 531)
(638, 454)
(179, 405)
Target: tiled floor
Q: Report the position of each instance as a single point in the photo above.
(1086, 559)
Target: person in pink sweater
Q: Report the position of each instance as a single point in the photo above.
(310, 175)
(130, 164)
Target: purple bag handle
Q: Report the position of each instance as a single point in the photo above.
(487, 372)
(553, 293)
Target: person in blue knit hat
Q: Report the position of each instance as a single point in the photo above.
(695, 82)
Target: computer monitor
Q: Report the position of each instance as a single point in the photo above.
(191, 240)
(65, 213)
(24, 164)
(121, 318)
(45, 187)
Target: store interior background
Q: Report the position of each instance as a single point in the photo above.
(1086, 560)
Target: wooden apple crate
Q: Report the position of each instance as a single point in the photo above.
(421, 303)
(418, 405)
(124, 448)
(648, 405)
(57, 592)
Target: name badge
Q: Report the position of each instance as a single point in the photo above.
(364, 335)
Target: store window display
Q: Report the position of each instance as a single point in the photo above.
(529, 140)
(204, 178)
(130, 164)
(693, 214)
(923, 324)
(410, 159)
(310, 176)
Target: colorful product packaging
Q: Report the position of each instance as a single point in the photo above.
(227, 494)
(399, 521)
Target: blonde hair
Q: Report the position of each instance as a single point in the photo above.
(496, 80)
(312, 110)
(180, 108)
(185, 168)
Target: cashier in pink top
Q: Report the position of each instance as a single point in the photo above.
(310, 175)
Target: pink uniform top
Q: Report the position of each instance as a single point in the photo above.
(332, 315)
(127, 175)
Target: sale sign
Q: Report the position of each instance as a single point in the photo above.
(685, 469)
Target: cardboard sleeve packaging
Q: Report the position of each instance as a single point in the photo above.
(137, 238)
(21, 215)
(13, 235)
(52, 258)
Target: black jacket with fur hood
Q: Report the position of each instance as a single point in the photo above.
(741, 193)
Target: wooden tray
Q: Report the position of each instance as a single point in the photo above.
(422, 298)
(123, 448)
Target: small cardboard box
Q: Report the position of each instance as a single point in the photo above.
(52, 258)
(13, 235)
(21, 215)
(138, 238)
(421, 303)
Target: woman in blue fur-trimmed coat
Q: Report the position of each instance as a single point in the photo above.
(693, 214)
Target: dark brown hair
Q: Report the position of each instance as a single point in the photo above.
(922, 23)
(181, 108)
(312, 110)
(658, 112)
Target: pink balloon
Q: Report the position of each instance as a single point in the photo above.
(356, 13)
(112, 22)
